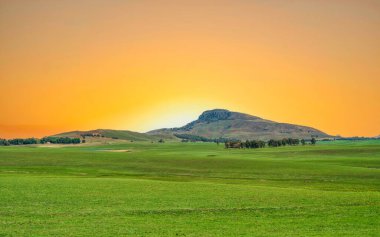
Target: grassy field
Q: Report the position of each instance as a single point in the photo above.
(190, 189)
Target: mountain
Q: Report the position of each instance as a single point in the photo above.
(221, 123)
(212, 124)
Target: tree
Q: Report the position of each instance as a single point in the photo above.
(274, 143)
(313, 141)
(4, 142)
(303, 142)
(61, 140)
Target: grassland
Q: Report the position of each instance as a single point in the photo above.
(190, 189)
(109, 133)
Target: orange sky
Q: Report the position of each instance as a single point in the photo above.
(140, 65)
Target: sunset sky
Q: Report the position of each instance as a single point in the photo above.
(140, 65)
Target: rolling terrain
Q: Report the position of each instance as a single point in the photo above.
(214, 124)
(117, 134)
(220, 123)
(190, 189)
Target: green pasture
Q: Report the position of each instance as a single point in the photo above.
(190, 189)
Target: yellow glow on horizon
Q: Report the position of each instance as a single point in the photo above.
(142, 65)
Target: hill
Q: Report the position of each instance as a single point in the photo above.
(109, 133)
(221, 123)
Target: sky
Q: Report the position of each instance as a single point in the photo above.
(140, 65)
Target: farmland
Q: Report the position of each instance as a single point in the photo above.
(190, 189)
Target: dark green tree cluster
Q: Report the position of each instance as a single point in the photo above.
(284, 142)
(28, 141)
(254, 144)
(4, 142)
(18, 141)
(291, 141)
(60, 140)
(21, 141)
(270, 143)
(247, 144)
(274, 143)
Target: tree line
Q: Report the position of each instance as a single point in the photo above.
(18, 141)
(60, 140)
(28, 141)
(271, 143)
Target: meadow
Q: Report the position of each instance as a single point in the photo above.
(190, 189)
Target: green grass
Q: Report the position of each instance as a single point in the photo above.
(190, 189)
(109, 133)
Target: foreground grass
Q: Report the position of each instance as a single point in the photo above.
(190, 189)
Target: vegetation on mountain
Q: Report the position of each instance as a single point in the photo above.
(109, 133)
(220, 123)
(195, 138)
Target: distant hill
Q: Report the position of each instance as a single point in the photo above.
(115, 134)
(221, 123)
(213, 124)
